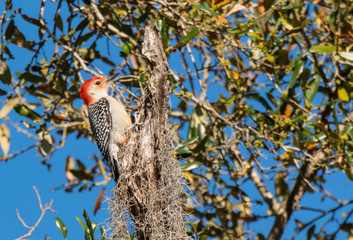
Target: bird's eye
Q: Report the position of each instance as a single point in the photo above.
(98, 83)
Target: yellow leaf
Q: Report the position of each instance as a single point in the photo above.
(271, 59)
(101, 167)
(343, 94)
(285, 156)
(318, 21)
(4, 138)
(311, 146)
(235, 74)
(70, 165)
(220, 19)
(188, 175)
(285, 22)
(220, 4)
(287, 111)
(238, 7)
(255, 35)
(120, 12)
(46, 142)
(315, 1)
(8, 106)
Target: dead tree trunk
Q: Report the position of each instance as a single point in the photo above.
(149, 191)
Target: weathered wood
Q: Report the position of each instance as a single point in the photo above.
(149, 187)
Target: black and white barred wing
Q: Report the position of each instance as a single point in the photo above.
(101, 125)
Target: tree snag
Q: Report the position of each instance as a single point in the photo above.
(149, 190)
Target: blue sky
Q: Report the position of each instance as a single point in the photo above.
(19, 175)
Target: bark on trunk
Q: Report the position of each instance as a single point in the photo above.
(149, 190)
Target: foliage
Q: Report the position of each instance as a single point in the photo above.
(261, 99)
(88, 229)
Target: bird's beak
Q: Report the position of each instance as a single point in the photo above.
(112, 78)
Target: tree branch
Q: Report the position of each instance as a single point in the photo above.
(43, 210)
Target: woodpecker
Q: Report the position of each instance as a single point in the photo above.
(108, 119)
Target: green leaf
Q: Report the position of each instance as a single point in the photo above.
(88, 2)
(84, 38)
(259, 236)
(305, 75)
(8, 4)
(5, 74)
(6, 50)
(292, 6)
(347, 227)
(25, 111)
(31, 20)
(283, 57)
(117, 22)
(30, 77)
(347, 129)
(190, 166)
(46, 142)
(81, 223)
(126, 49)
(268, 4)
(201, 145)
(45, 147)
(88, 54)
(61, 226)
(2, 92)
(91, 227)
(197, 123)
(189, 232)
(349, 174)
(164, 32)
(59, 22)
(205, 231)
(347, 55)
(344, 110)
(103, 233)
(322, 49)
(203, 237)
(82, 174)
(187, 142)
(311, 89)
(107, 61)
(82, 24)
(310, 232)
(142, 81)
(204, 7)
(10, 29)
(281, 187)
(298, 68)
(260, 99)
(119, 25)
(187, 38)
(193, 226)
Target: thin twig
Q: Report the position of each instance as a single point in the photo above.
(69, 49)
(43, 210)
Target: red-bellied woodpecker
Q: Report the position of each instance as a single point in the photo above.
(108, 119)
